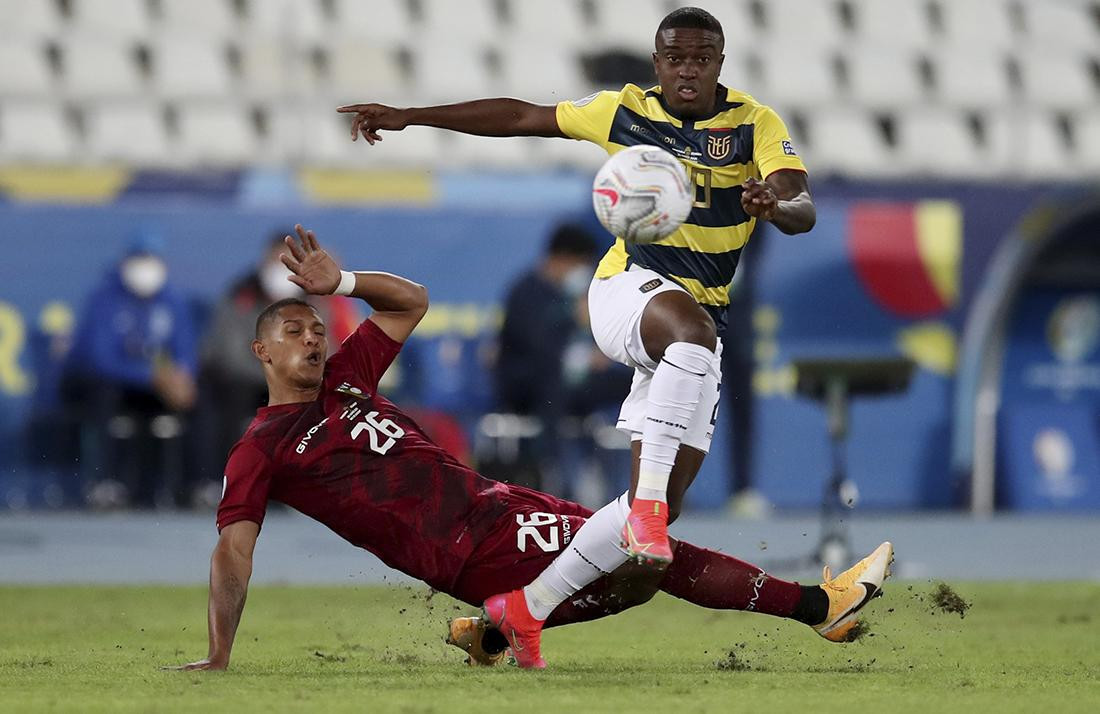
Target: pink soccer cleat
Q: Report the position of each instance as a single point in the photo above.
(508, 613)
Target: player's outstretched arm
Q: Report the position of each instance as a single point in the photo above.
(484, 117)
(230, 569)
(398, 303)
(783, 198)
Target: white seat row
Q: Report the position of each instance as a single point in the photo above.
(870, 75)
(837, 139)
(629, 23)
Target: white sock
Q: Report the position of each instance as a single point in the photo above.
(673, 396)
(593, 553)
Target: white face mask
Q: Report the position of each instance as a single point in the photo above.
(273, 281)
(576, 281)
(144, 275)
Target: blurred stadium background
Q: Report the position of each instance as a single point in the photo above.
(954, 151)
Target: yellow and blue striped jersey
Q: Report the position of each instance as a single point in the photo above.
(742, 139)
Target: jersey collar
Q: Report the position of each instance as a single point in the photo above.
(722, 104)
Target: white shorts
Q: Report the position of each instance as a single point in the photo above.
(615, 307)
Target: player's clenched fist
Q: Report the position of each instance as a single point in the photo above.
(370, 118)
(758, 199)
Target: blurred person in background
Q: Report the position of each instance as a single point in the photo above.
(540, 322)
(231, 382)
(130, 377)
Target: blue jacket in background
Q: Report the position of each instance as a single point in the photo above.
(120, 336)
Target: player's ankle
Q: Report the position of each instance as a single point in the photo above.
(812, 607)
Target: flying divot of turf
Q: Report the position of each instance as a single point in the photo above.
(945, 599)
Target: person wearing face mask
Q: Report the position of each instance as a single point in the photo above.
(231, 383)
(131, 378)
(539, 324)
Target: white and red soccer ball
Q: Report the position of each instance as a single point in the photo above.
(642, 194)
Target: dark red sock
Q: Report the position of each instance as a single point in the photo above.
(711, 579)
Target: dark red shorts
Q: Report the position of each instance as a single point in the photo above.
(526, 539)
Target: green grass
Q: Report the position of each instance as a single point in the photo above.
(1021, 647)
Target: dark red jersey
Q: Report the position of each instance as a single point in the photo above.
(353, 461)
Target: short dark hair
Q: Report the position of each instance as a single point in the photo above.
(272, 311)
(570, 239)
(694, 18)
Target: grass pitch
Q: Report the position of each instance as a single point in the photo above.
(1021, 647)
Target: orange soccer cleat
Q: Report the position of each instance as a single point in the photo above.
(850, 591)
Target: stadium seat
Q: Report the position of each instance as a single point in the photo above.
(29, 20)
(788, 79)
(933, 141)
(883, 77)
(569, 154)
(318, 136)
(348, 82)
(808, 25)
(100, 69)
(448, 72)
(216, 134)
(846, 140)
(1086, 149)
(514, 154)
(561, 22)
(299, 21)
(190, 67)
(628, 24)
(542, 71)
(24, 70)
(35, 132)
(903, 25)
(415, 147)
(121, 19)
(130, 132)
(971, 78)
(981, 25)
(469, 21)
(272, 70)
(314, 135)
(1066, 24)
(385, 21)
(214, 19)
(1056, 79)
(1028, 144)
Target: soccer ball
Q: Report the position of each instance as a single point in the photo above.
(641, 194)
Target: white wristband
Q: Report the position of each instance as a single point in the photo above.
(347, 283)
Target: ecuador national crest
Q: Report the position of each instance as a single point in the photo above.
(718, 143)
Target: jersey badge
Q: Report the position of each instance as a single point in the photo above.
(719, 142)
(351, 391)
(788, 148)
(650, 285)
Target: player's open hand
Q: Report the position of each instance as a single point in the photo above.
(313, 269)
(758, 199)
(202, 664)
(370, 118)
